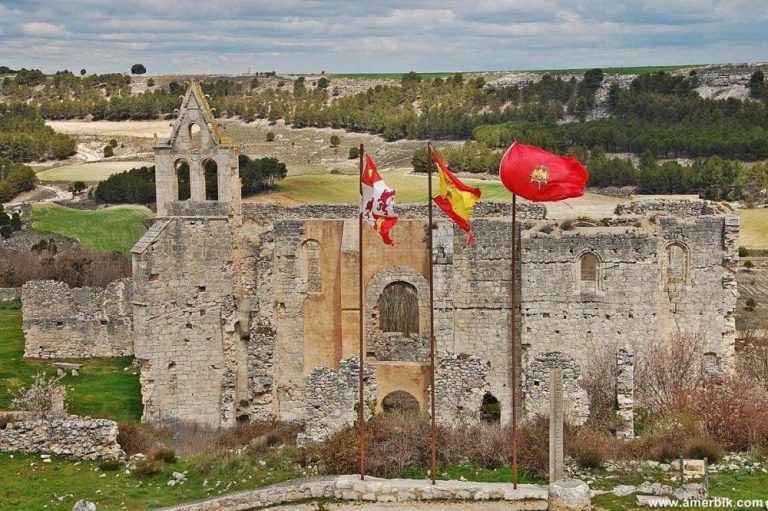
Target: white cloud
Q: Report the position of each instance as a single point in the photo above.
(43, 29)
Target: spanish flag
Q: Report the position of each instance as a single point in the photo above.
(455, 198)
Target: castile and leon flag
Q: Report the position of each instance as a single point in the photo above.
(537, 175)
(377, 202)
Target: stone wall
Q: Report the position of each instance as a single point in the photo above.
(460, 384)
(536, 387)
(188, 333)
(74, 437)
(9, 293)
(625, 392)
(64, 322)
(331, 399)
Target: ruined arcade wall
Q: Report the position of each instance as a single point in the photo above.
(63, 322)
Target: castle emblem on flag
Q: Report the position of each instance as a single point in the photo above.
(540, 176)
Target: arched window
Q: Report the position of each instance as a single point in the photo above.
(309, 266)
(195, 140)
(181, 168)
(400, 401)
(398, 308)
(588, 267)
(490, 410)
(676, 263)
(211, 170)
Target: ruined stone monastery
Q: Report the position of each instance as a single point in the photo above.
(241, 311)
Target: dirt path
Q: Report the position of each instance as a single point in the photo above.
(41, 193)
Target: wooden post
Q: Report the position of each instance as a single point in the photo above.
(556, 416)
(361, 403)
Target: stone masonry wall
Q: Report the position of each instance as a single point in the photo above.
(9, 293)
(64, 322)
(188, 335)
(460, 384)
(331, 399)
(75, 437)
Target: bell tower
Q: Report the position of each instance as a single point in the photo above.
(196, 169)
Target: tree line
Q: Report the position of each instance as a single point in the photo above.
(137, 185)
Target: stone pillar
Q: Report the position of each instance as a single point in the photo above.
(625, 392)
(196, 179)
(556, 468)
(569, 495)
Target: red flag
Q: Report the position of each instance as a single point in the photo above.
(377, 203)
(535, 174)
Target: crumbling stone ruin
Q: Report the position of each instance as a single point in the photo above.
(247, 311)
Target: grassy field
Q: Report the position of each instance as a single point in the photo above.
(104, 230)
(88, 172)
(103, 388)
(333, 188)
(28, 484)
(754, 228)
(637, 70)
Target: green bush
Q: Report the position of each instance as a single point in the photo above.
(335, 141)
(108, 152)
(6, 231)
(15, 223)
(270, 136)
(751, 304)
(743, 252)
(113, 142)
(749, 264)
(354, 152)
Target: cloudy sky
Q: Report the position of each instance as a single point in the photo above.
(303, 36)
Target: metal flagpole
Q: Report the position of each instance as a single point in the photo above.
(361, 402)
(513, 348)
(433, 430)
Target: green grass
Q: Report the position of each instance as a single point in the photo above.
(335, 188)
(28, 484)
(88, 172)
(483, 475)
(103, 388)
(394, 76)
(638, 70)
(734, 485)
(754, 228)
(114, 229)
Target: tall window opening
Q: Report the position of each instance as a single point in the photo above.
(211, 170)
(195, 137)
(399, 309)
(182, 180)
(676, 263)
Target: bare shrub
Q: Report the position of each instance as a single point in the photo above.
(148, 467)
(734, 411)
(752, 355)
(139, 438)
(533, 446)
(667, 371)
(590, 447)
(46, 397)
(599, 380)
(75, 267)
(703, 446)
(162, 453)
(664, 438)
(267, 432)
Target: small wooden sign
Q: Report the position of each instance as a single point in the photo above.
(696, 468)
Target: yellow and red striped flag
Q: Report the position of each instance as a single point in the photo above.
(455, 198)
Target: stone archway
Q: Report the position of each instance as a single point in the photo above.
(400, 401)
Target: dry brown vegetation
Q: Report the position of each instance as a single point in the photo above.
(74, 266)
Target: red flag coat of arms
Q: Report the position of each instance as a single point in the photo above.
(537, 175)
(377, 203)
